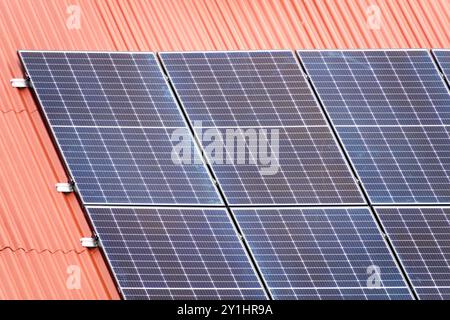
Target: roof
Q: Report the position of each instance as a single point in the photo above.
(39, 228)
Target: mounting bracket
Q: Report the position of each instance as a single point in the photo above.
(64, 187)
(89, 242)
(20, 83)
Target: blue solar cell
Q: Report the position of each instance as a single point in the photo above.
(169, 253)
(116, 121)
(391, 110)
(421, 238)
(443, 58)
(322, 253)
(257, 92)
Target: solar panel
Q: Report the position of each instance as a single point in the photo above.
(175, 253)
(443, 58)
(322, 253)
(259, 95)
(132, 165)
(114, 118)
(243, 88)
(390, 109)
(421, 238)
(101, 89)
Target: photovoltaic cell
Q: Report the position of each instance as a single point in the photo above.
(322, 253)
(259, 95)
(113, 116)
(421, 238)
(443, 58)
(391, 110)
(162, 253)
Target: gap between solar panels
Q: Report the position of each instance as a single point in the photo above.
(442, 59)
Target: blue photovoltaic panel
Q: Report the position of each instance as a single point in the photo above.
(421, 239)
(391, 110)
(132, 165)
(246, 88)
(101, 89)
(443, 58)
(158, 253)
(401, 163)
(266, 97)
(114, 118)
(322, 253)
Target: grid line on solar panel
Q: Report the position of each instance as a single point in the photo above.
(443, 58)
(395, 126)
(117, 149)
(321, 253)
(254, 91)
(421, 238)
(162, 253)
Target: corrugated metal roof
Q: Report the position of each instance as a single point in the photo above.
(39, 228)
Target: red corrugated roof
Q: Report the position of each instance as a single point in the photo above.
(39, 228)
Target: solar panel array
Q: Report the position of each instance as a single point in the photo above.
(322, 253)
(167, 253)
(170, 232)
(421, 238)
(443, 59)
(263, 91)
(113, 116)
(391, 110)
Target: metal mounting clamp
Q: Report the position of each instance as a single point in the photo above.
(89, 242)
(20, 83)
(64, 187)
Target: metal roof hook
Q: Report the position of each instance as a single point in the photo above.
(20, 83)
(64, 187)
(91, 242)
